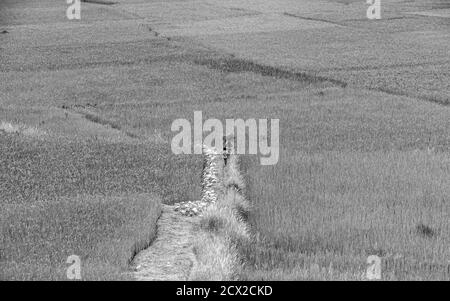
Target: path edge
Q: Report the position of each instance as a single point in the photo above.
(223, 226)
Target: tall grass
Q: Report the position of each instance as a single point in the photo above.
(98, 201)
(338, 208)
(105, 232)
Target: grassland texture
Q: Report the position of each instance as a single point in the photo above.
(360, 172)
(59, 200)
(334, 210)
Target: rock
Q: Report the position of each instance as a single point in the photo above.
(191, 208)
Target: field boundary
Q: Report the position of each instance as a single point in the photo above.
(199, 240)
(223, 225)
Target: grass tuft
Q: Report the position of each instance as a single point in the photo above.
(216, 259)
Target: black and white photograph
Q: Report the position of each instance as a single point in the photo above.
(247, 141)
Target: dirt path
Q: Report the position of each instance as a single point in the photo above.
(170, 256)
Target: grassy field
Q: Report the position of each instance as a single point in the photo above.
(104, 231)
(335, 209)
(360, 173)
(94, 200)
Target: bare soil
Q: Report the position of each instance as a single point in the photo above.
(170, 257)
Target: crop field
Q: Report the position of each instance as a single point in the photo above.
(346, 207)
(59, 201)
(86, 165)
(339, 193)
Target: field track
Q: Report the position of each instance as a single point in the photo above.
(170, 256)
